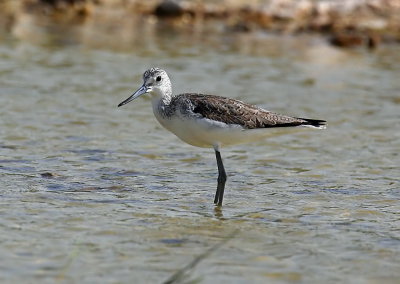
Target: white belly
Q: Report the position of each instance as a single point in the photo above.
(202, 132)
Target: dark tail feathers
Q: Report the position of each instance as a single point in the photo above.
(317, 123)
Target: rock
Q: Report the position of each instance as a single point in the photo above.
(47, 175)
(241, 27)
(56, 2)
(168, 9)
(373, 41)
(346, 40)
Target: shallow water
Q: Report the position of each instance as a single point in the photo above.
(95, 193)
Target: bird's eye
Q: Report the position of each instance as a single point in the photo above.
(158, 79)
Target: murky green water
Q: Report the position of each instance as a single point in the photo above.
(92, 193)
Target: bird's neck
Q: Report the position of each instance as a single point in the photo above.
(163, 108)
(161, 97)
(166, 100)
(162, 103)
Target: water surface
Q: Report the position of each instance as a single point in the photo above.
(95, 193)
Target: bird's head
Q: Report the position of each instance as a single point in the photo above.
(156, 83)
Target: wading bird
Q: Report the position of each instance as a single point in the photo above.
(211, 121)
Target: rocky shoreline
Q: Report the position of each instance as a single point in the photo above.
(347, 23)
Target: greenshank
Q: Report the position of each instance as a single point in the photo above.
(211, 121)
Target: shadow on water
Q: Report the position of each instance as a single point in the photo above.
(184, 272)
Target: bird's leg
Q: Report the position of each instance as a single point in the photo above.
(219, 195)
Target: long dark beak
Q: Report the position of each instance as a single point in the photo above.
(142, 90)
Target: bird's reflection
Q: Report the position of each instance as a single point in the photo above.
(218, 212)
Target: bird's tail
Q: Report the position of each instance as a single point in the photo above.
(314, 123)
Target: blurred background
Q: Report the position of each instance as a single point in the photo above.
(95, 193)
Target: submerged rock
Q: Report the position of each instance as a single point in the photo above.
(347, 40)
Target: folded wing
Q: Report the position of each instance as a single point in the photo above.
(235, 112)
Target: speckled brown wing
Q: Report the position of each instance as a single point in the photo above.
(232, 111)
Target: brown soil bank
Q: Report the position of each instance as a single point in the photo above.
(348, 22)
